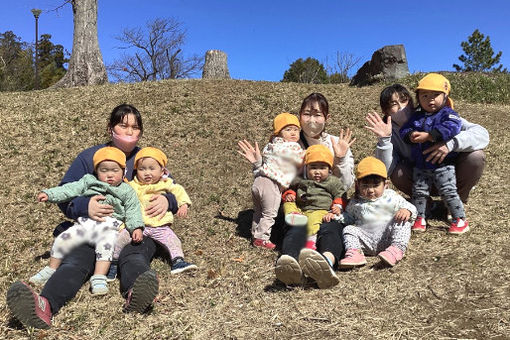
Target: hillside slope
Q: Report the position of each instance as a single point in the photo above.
(446, 287)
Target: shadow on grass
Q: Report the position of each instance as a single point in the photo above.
(44, 256)
(244, 219)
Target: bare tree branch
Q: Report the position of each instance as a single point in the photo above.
(157, 49)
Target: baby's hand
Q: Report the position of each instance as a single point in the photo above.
(182, 211)
(290, 198)
(42, 197)
(402, 215)
(137, 236)
(420, 137)
(335, 209)
(328, 217)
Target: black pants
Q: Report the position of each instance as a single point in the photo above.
(78, 266)
(329, 238)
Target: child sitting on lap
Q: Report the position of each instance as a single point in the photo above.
(377, 219)
(315, 198)
(109, 165)
(151, 180)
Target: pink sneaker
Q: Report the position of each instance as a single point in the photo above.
(391, 255)
(459, 226)
(260, 243)
(30, 309)
(420, 225)
(296, 219)
(353, 258)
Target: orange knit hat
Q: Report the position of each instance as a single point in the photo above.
(319, 153)
(284, 119)
(151, 152)
(109, 153)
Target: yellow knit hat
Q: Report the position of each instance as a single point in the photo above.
(319, 153)
(284, 119)
(109, 153)
(371, 166)
(151, 152)
(436, 82)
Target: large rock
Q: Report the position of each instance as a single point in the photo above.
(215, 66)
(387, 63)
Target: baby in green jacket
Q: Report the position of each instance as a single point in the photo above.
(109, 165)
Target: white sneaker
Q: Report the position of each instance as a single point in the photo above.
(42, 276)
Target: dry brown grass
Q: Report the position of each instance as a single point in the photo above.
(446, 287)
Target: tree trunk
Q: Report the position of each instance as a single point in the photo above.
(86, 65)
(215, 66)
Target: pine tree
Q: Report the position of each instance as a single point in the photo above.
(479, 55)
(309, 70)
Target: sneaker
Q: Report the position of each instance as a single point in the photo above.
(310, 245)
(391, 255)
(420, 225)
(142, 294)
(179, 266)
(296, 219)
(317, 267)
(30, 309)
(353, 258)
(98, 285)
(459, 226)
(42, 276)
(112, 272)
(260, 243)
(288, 271)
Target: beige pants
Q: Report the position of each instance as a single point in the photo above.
(266, 202)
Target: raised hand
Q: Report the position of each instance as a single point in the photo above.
(252, 154)
(377, 125)
(344, 143)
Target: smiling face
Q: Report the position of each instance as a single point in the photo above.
(431, 101)
(290, 133)
(110, 172)
(148, 170)
(396, 104)
(317, 171)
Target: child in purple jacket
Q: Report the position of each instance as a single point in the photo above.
(435, 122)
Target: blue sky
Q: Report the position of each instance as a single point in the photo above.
(262, 38)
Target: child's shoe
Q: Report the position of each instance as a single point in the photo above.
(142, 295)
(98, 285)
(391, 255)
(353, 258)
(420, 225)
(288, 271)
(310, 245)
(296, 219)
(42, 276)
(30, 309)
(317, 267)
(260, 243)
(459, 226)
(112, 272)
(179, 266)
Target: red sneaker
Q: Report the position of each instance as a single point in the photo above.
(420, 225)
(31, 309)
(310, 245)
(459, 226)
(260, 243)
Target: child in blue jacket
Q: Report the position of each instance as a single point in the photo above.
(434, 121)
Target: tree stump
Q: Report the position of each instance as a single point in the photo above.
(215, 66)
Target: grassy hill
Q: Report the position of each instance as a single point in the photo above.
(446, 287)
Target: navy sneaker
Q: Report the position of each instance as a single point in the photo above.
(179, 266)
(112, 272)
